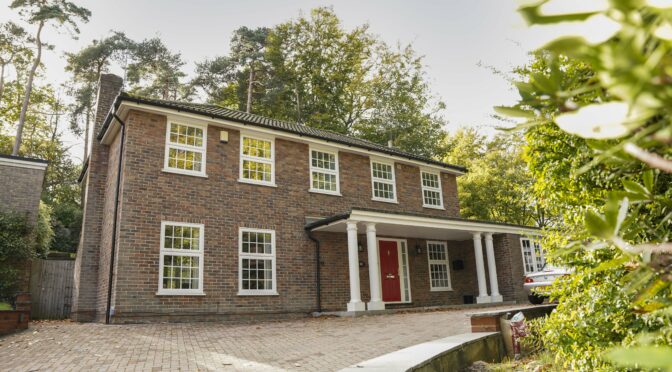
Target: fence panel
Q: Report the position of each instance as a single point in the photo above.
(51, 288)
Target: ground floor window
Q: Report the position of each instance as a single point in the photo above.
(181, 259)
(533, 255)
(439, 271)
(257, 262)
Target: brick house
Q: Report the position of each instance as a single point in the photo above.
(193, 211)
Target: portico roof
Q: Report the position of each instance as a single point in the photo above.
(416, 225)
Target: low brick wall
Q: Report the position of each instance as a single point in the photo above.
(13, 320)
(489, 321)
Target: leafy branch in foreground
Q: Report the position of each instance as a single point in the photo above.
(596, 106)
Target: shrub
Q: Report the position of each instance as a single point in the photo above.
(19, 243)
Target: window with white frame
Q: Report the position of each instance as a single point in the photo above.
(257, 262)
(382, 181)
(324, 171)
(257, 160)
(181, 258)
(533, 255)
(432, 197)
(439, 271)
(185, 148)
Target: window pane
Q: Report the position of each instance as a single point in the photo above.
(323, 160)
(383, 190)
(257, 148)
(259, 275)
(180, 272)
(383, 171)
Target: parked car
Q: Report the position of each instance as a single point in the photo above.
(540, 279)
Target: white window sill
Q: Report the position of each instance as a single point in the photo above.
(250, 182)
(184, 173)
(385, 200)
(441, 290)
(258, 293)
(316, 191)
(439, 207)
(179, 293)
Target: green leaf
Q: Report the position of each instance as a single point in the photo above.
(647, 356)
(647, 178)
(598, 225)
(636, 188)
(514, 112)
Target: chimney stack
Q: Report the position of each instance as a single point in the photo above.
(109, 87)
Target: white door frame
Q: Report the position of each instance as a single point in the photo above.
(404, 280)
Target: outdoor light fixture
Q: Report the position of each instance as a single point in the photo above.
(418, 249)
(360, 247)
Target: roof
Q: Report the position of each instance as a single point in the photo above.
(217, 112)
(346, 215)
(35, 160)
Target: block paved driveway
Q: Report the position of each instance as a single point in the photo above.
(314, 344)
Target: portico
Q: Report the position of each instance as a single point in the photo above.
(391, 280)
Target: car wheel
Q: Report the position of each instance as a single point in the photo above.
(535, 299)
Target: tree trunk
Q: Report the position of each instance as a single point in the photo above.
(249, 90)
(29, 90)
(2, 82)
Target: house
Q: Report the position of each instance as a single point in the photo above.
(196, 212)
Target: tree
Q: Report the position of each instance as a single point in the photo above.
(218, 80)
(319, 71)
(498, 166)
(41, 13)
(596, 104)
(86, 67)
(247, 49)
(13, 49)
(156, 72)
(401, 107)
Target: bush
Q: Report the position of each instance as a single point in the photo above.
(19, 243)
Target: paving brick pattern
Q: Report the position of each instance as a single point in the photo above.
(324, 344)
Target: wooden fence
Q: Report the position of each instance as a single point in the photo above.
(51, 288)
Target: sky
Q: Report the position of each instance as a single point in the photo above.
(460, 39)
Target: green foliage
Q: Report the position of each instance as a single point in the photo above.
(314, 71)
(496, 165)
(155, 71)
(44, 233)
(597, 110)
(16, 246)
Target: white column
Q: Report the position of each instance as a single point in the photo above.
(480, 270)
(376, 302)
(492, 269)
(355, 303)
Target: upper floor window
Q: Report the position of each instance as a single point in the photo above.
(533, 255)
(257, 161)
(185, 148)
(257, 262)
(181, 259)
(382, 181)
(431, 190)
(439, 271)
(324, 171)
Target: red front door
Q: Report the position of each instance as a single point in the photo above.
(389, 270)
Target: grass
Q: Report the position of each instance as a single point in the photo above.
(535, 362)
(5, 306)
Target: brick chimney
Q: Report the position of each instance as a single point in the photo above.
(109, 86)
(88, 270)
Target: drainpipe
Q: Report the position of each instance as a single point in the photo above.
(317, 269)
(108, 314)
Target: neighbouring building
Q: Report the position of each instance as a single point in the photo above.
(21, 182)
(194, 211)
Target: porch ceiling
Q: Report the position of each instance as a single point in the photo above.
(416, 226)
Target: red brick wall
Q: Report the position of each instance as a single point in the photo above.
(85, 286)
(223, 204)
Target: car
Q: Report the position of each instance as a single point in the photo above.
(540, 279)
